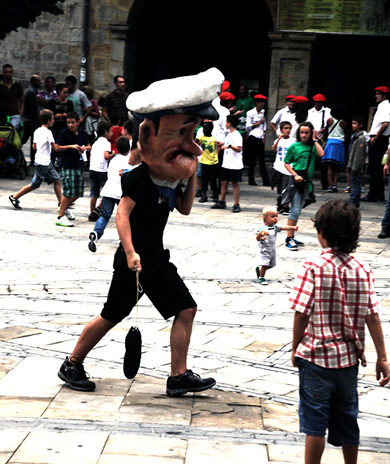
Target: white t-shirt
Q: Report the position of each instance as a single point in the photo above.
(253, 116)
(281, 151)
(283, 114)
(318, 118)
(43, 137)
(233, 159)
(382, 115)
(112, 188)
(97, 161)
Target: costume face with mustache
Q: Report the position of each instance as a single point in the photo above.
(172, 153)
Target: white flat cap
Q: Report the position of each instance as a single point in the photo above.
(190, 95)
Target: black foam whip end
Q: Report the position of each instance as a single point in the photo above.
(132, 359)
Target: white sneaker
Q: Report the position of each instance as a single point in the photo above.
(93, 239)
(64, 222)
(70, 215)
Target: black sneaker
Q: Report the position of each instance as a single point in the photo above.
(93, 216)
(219, 205)
(75, 376)
(15, 203)
(385, 232)
(187, 382)
(236, 208)
(203, 199)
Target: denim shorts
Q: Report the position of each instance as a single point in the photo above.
(328, 399)
(44, 173)
(98, 179)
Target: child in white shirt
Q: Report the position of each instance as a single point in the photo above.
(112, 190)
(43, 143)
(98, 165)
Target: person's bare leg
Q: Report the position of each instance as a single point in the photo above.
(65, 202)
(263, 270)
(180, 340)
(93, 332)
(236, 192)
(58, 190)
(291, 222)
(224, 186)
(23, 191)
(350, 453)
(330, 175)
(92, 204)
(314, 448)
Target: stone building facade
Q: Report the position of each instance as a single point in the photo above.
(149, 39)
(53, 45)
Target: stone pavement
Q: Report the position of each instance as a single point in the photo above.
(51, 285)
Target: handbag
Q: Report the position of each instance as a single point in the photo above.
(133, 343)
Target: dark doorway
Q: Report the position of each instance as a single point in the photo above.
(347, 69)
(174, 38)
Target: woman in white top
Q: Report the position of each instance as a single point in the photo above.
(334, 152)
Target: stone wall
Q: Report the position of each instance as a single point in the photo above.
(53, 44)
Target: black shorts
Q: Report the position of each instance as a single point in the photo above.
(165, 289)
(232, 175)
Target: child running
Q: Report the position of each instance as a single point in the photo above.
(266, 236)
(333, 298)
(43, 142)
(112, 190)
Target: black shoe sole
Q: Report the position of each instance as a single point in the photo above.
(92, 242)
(73, 387)
(173, 392)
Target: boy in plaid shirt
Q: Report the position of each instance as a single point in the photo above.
(333, 298)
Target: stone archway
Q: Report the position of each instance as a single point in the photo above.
(167, 39)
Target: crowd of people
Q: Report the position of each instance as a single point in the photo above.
(69, 132)
(236, 140)
(300, 133)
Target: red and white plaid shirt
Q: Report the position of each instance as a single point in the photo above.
(337, 292)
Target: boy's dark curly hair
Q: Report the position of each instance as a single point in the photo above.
(339, 223)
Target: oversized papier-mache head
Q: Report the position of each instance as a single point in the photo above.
(180, 104)
(190, 95)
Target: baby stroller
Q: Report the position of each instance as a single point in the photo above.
(12, 160)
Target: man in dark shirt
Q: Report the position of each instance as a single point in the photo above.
(30, 116)
(115, 102)
(11, 98)
(149, 192)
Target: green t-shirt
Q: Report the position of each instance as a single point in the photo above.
(244, 105)
(298, 156)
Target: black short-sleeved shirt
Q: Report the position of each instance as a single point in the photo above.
(70, 159)
(56, 106)
(147, 220)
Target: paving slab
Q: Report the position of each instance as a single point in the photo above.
(51, 286)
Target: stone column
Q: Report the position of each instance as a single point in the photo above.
(289, 73)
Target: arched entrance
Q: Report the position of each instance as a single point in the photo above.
(171, 38)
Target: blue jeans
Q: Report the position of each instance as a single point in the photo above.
(356, 186)
(297, 202)
(108, 205)
(386, 217)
